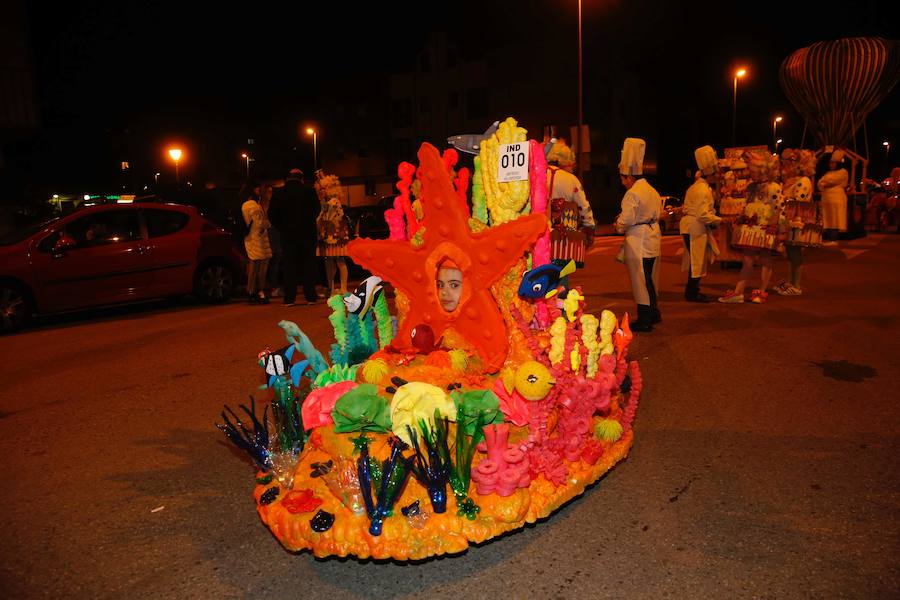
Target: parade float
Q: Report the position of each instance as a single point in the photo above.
(436, 429)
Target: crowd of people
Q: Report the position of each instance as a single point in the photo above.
(290, 226)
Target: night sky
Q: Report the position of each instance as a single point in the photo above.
(114, 78)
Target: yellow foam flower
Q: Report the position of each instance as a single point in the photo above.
(373, 371)
(416, 401)
(575, 357)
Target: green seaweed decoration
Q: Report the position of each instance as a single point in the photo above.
(385, 322)
(366, 336)
(287, 417)
(338, 319)
(362, 409)
(461, 474)
(471, 404)
(337, 373)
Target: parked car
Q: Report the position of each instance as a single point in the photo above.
(672, 209)
(368, 221)
(113, 253)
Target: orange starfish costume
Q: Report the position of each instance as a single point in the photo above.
(483, 257)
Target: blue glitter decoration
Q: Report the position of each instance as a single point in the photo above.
(255, 444)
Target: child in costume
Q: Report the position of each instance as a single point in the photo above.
(334, 233)
(763, 210)
(449, 285)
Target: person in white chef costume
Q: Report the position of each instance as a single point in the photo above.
(699, 216)
(833, 186)
(638, 220)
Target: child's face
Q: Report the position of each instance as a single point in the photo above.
(449, 288)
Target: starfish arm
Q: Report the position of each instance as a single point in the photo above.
(482, 324)
(497, 249)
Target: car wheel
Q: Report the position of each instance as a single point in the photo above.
(15, 308)
(213, 283)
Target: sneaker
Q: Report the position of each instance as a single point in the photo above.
(758, 297)
(288, 304)
(782, 286)
(731, 297)
(791, 291)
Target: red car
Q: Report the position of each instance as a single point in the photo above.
(113, 253)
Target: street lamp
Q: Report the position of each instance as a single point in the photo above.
(887, 150)
(777, 143)
(312, 132)
(580, 146)
(246, 157)
(774, 129)
(175, 154)
(739, 74)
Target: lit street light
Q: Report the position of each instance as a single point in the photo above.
(175, 154)
(246, 157)
(739, 74)
(887, 149)
(777, 143)
(312, 132)
(774, 130)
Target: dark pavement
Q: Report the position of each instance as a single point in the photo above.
(765, 464)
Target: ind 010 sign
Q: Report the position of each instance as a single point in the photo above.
(513, 163)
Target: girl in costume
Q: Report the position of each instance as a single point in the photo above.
(449, 284)
(334, 233)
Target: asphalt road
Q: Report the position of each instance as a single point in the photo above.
(765, 463)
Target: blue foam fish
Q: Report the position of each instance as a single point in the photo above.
(541, 282)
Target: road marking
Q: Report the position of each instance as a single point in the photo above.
(859, 246)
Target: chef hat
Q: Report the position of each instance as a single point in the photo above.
(837, 156)
(706, 160)
(632, 162)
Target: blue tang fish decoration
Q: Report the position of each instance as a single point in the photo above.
(541, 282)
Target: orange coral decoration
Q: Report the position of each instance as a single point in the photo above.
(483, 258)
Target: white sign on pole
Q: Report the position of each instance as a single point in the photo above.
(513, 163)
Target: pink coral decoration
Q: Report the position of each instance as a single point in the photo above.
(318, 405)
(514, 407)
(538, 180)
(505, 469)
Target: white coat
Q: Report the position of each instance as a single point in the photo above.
(256, 243)
(833, 185)
(638, 220)
(699, 214)
(566, 185)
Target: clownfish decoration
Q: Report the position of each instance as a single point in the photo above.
(541, 282)
(364, 296)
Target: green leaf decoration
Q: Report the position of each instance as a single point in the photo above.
(474, 402)
(362, 409)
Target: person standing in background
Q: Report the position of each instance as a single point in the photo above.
(638, 220)
(833, 186)
(256, 243)
(699, 217)
(273, 274)
(293, 211)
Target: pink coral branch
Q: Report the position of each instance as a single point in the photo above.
(537, 175)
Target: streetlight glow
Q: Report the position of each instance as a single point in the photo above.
(246, 157)
(175, 154)
(775, 123)
(739, 74)
(312, 132)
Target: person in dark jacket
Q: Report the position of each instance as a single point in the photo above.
(293, 212)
